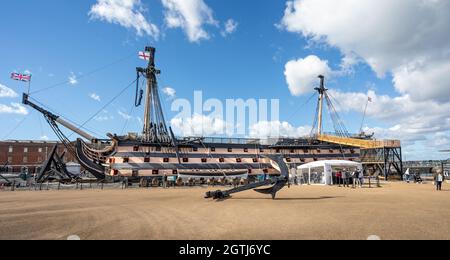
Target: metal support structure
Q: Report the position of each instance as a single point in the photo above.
(54, 167)
(387, 160)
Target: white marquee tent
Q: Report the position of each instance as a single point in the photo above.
(321, 172)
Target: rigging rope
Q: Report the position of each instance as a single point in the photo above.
(15, 127)
(84, 75)
(105, 106)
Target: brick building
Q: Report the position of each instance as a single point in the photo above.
(28, 156)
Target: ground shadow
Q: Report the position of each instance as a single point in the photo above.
(290, 199)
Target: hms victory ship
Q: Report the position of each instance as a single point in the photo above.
(157, 152)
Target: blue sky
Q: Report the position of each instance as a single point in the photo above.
(56, 40)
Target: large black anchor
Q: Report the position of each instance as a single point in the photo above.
(278, 183)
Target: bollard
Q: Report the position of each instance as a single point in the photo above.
(102, 185)
(81, 186)
(13, 186)
(59, 185)
(77, 185)
(48, 185)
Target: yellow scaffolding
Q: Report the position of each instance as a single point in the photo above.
(361, 143)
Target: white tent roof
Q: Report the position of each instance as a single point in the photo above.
(332, 163)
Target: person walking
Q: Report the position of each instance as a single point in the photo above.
(339, 177)
(361, 178)
(345, 177)
(439, 179)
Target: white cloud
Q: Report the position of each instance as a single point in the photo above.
(44, 138)
(170, 92)
(95, 97)
(191, 16)
(412, 122)
(199, 125)
(7, 92)
(230, 27)
(103, 118)
(124, 115)
(127, 13)
(14, 108)
(276, 129)
(408, 38)
(301, 75)
(72, 79)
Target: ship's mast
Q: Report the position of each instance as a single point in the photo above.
(155, 129)
(321, 91)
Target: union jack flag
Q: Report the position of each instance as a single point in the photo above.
(21, 77)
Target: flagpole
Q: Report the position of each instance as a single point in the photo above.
(364, 117)
(29, 87)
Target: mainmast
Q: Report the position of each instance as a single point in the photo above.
(155, 129)
(321, 91)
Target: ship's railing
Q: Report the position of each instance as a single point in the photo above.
(222, 140)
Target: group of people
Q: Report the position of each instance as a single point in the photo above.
(344, 177)
(438, 178)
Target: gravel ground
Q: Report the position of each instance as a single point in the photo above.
(396, 211)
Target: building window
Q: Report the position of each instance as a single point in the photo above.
(302, 160)
(40, 159)
(136, 148)
(25, 150)
(135, 173)
(213, 149)
(195, 149)
(222, 160)
(245, 150)
(25, 159)
(155, 172)
(319, 151)
(288, 160)
(230, 150)
(292, 151)
(166, 160)
(185, 160)
(255, 160)
(146, 159)
(10, 159)
(126, 160)
(238, 160)
(204, 160)
(331, 151)
(115, 172)
(261, 150)
(39, 150)
(10, 149)
(158, 149)
(277, 151)
(175, 172)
